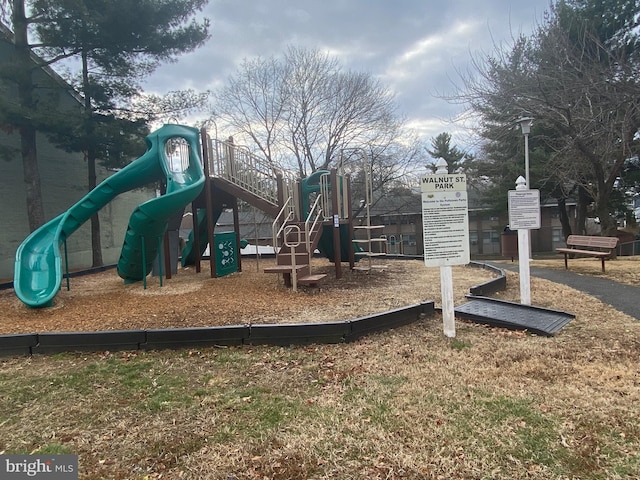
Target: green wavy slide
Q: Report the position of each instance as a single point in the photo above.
(38, 265)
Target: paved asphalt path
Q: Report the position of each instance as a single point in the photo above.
(625, 298)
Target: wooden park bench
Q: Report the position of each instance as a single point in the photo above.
(598, 247)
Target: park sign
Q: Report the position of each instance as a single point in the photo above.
(524, 209)
(445, 219)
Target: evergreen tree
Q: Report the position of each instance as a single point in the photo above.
(116, 43)
(441, 148)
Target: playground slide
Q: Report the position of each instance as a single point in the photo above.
(188, 252)
(38, 265)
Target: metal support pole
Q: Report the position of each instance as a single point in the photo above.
(526, 160)
(159, 259)
(523, 255)
(66, 265)
(144, 263)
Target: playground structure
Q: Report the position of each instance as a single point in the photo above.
(310, 213)
(212, 175)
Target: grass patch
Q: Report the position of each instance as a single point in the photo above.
(257, 411)
(457, 344)
(54, 449)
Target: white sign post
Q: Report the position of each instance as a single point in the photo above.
(445, 220)
(524, 215)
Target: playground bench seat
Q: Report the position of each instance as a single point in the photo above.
(599, 247)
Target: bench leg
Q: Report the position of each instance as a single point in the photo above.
(602, 264)
(566, 264)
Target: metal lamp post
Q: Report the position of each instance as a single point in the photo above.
(525, 125)
(524, 236)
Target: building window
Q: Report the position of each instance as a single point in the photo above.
(409, 240)
(473, 237)
(490, 237)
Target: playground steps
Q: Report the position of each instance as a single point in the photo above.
(285, 268)
(286, 254)
(312, 280)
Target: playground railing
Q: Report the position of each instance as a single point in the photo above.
(250, 172)
(311, 224)
(325, 196)
(285, 215)
(325, 193)
(292, 244)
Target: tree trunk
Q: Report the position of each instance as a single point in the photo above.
(31, 172)
(564, 217)
(96, 242)
(608, 224)
(583, 203)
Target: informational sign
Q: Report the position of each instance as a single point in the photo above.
(445, 220)
(524, 209)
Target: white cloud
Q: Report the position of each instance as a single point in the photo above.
(414, 46)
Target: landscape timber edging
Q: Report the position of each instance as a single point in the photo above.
(234, 335)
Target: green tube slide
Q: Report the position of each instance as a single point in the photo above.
(38, 265)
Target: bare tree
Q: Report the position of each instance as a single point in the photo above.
(579, 83)
(252, 104)
(303, 109)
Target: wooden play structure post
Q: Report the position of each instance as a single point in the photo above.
(208, 203)
(352, 254)
(236, 228)
(337, 253)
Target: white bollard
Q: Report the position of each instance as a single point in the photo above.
(523, 260)
(446, 290)
(523, 255)
(446, 282)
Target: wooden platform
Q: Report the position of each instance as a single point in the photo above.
(312, 279)
(283, 268)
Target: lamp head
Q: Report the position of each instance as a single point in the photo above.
(525, 124)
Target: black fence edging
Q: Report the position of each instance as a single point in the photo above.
(175, 338)
(298, 333)
(17, 344)
(234, 335)
(490, 286)
(363, 326)
(115, 340)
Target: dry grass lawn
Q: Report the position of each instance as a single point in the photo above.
(408, 403)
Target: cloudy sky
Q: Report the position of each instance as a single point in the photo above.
(415, 47)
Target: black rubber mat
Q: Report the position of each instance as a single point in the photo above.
(514, 316)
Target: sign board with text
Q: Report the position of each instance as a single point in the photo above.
(445, 220)
(524, 209)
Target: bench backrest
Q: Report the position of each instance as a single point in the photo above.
(589, 241)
